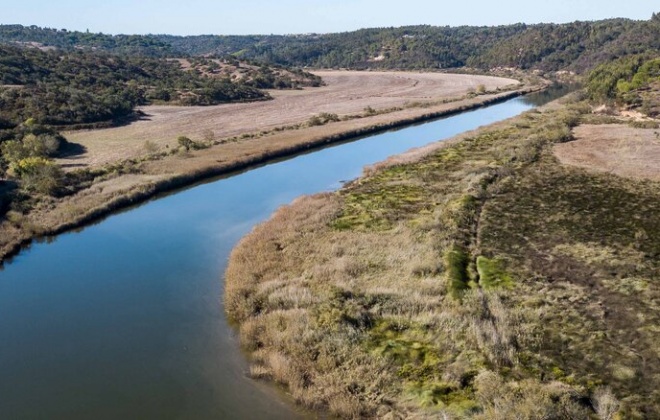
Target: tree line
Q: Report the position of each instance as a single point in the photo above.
(632, 82)
(576, 46)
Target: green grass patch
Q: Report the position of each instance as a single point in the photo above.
(420, 364)
(492, 274)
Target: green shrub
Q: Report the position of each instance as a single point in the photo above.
(38, 174)
(492, 273)
(456, 264)
(322, 119)
(185, 142)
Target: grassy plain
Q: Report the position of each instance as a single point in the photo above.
(478, 278)
(346, 93)
(620, 149)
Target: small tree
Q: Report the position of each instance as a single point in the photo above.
(41, 145)
(13, 151)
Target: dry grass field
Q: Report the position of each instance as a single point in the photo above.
(614, 148)
(345, 93)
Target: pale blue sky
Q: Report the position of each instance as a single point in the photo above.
(191, 17)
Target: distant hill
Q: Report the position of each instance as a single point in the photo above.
(576, 46)
(64, 39)
(107, 75)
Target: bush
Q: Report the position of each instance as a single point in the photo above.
(31, 144)
(38, 174)
(41, 145)
(322, 119)
(185, 142)
(456, 265)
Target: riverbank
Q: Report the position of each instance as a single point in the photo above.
(480, 277)
(124, 183)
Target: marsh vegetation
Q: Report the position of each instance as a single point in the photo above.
(482, 280)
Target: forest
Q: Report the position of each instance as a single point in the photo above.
(576, 46)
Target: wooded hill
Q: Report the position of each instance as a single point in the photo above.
(70, 40)
(573, 46)
(576, 46)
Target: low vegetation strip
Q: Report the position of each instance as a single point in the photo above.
(481, 280)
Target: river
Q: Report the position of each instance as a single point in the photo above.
(124, 320)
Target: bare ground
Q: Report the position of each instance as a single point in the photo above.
(614, 148)
(347, 92)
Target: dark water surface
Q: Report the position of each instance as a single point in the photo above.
(124, 319)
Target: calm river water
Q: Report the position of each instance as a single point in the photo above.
(124, 319)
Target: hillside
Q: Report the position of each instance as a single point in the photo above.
(576, 46)
(49, 38)
(58, 87)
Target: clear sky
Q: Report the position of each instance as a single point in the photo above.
(192, 17)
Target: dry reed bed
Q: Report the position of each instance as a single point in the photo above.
(475, 279)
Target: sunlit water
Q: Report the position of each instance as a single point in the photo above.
(124, 319)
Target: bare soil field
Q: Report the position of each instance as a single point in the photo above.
(346, 93)
(614, 148)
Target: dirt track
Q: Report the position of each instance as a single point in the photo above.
(347, 92)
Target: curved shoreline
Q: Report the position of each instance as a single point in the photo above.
(422, 287)
(146, 190)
